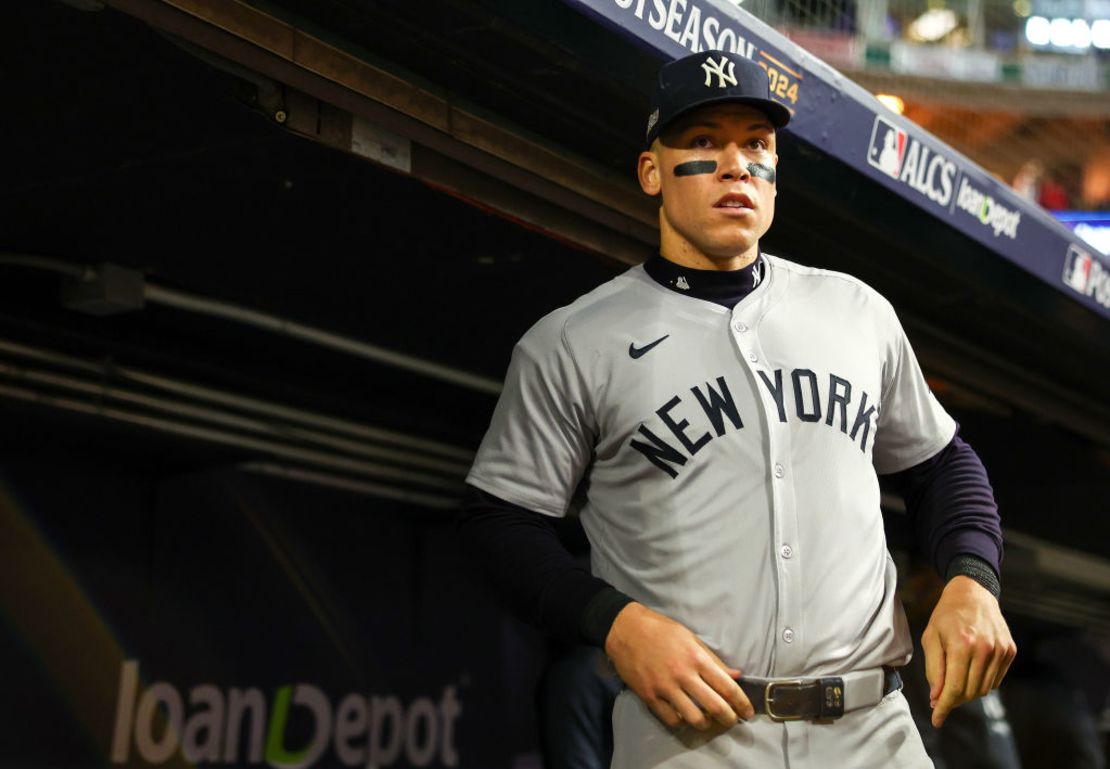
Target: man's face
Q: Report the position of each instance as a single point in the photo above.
(712, 170)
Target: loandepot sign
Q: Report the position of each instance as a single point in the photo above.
(236, 726)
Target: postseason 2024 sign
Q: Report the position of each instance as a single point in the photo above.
(842, 119)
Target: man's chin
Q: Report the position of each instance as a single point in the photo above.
(729, 252)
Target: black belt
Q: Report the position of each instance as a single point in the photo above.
(818, 699)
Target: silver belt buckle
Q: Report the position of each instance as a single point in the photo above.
(768, 699)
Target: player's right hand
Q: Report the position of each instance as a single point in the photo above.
(673, 672)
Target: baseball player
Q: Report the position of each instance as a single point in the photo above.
(717, 417)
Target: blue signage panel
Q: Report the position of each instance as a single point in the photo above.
(230, 620)
(848, 123)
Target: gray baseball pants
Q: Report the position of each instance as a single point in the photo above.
(880, 737)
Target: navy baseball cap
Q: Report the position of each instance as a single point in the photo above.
(710, 77)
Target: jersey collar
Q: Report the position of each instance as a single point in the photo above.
(725, 288)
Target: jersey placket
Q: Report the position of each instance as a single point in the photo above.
(790, 641)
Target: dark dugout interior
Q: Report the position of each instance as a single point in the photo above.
(178, 542)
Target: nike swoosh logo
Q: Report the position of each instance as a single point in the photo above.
(635, 352)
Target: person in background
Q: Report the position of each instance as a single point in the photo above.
(1053, 196)
(577, 689)
(1027, 181)
(1055, 723)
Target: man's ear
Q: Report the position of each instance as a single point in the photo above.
(647, 171)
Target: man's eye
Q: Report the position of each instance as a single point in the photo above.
(702, 142)
(758, 144)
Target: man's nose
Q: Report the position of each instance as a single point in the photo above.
(732, 164)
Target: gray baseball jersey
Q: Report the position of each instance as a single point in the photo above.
(727, 467)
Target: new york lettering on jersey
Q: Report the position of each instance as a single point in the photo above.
(686, 394)
(692, 419)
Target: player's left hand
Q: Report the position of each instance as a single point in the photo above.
(968, 647)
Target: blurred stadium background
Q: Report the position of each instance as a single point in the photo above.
(1019, 86)
(228, 458)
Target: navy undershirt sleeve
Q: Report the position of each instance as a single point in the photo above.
(532, 567)
(953, 513)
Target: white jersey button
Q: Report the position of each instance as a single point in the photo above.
(779, 470)
(739, 326)
(753, 357)
(788, 635)
(786, 551)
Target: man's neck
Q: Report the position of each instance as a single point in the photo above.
(685, 255)
(724, 287)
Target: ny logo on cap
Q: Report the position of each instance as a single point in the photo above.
(718, 68)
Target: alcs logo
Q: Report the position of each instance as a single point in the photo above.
(1086, 275)
(899, 155)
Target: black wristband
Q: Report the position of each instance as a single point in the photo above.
(975, 567)
(599, 614)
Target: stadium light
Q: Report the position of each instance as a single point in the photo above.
(1060, 33)
(1080, 33)
(1038, 30)
(1100, 33)
(1022, 8)
(933, 24)
(895, 103)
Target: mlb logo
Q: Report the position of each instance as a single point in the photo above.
(888, 147)
(1077, 269)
